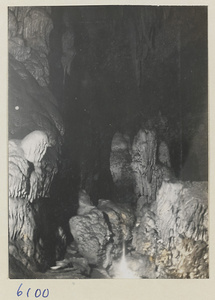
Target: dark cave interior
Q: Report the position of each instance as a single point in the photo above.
(119, 69)
(115, 84)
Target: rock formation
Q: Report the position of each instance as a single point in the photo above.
(139, 170)
(29, 29)
(120, 218)
(35, 135)
(174, 230)
(143, 160)
(92, 235)
(171, 216)
(28, 180)
(100, 232)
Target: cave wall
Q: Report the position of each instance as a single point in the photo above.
(35, 137)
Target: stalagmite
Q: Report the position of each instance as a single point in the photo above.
(143, 160)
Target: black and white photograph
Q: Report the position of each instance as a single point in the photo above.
(108, 142)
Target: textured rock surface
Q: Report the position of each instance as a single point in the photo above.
(121, 219)
(174, 230)
(21, 231)
(144, 149)
(33, 119)
(37, 27)
(29, 29)
(35, 138)
(92, 235)
(30, 236)
(138, 170)
(25, 180)
(99, 232)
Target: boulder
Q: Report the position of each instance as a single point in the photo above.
(92, 235)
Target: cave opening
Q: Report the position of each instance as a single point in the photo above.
(123, 78)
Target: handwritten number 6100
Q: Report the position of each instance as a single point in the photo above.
(37, 293)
